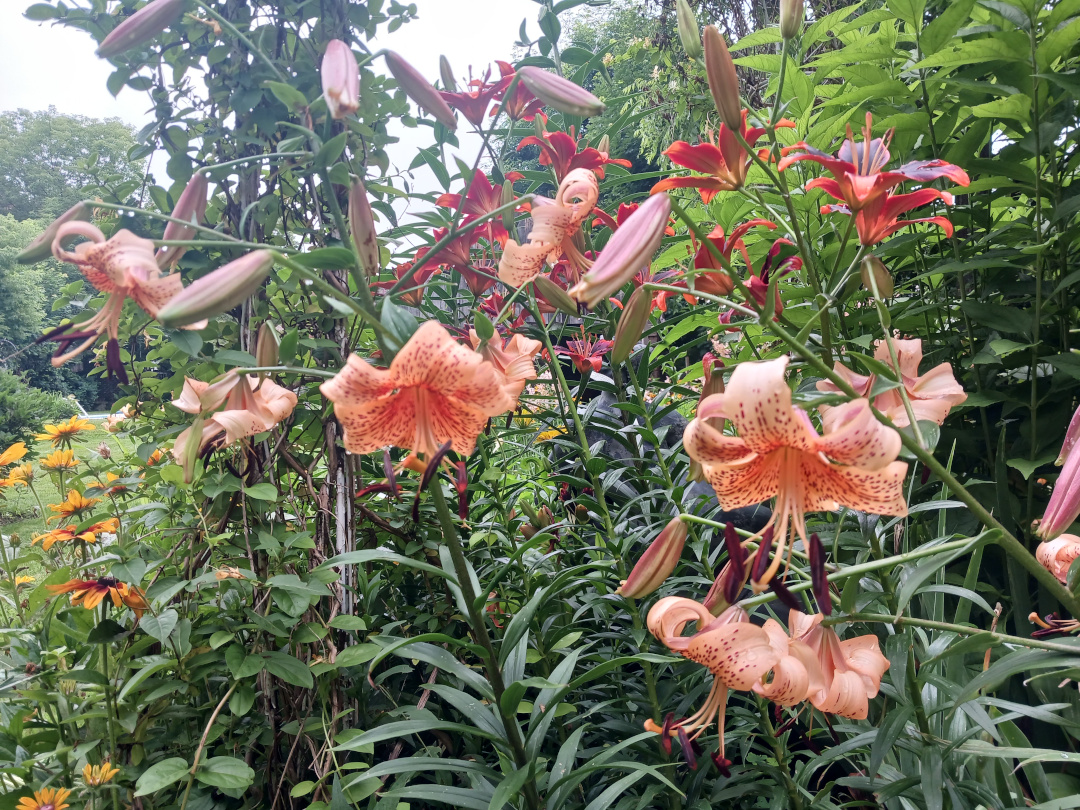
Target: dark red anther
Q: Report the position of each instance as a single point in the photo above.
(784, 595)
(816, 552)
(687, 748)
(736, 571)
(433, 465)
(461, 482)
(665, 732)
(113, 362)
(925, 475)
(391, 476)
(373, 488)
(761, 559)
(722, 764)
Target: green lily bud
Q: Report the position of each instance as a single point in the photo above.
(689, 33)
(632, 322)
(41, 248)
(657, 563)
(791, 17)
(218, 291)
(266, 345)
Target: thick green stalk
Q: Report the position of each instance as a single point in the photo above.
(959, 629)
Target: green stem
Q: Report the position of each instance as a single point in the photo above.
(778, 751)
(959, 629)
(232, 29)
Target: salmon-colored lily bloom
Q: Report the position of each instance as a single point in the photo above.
(866, 191)
(1057, 555)
(513, 358)
(248, 406)
(554, 222)
(436, 390)
(723, 163)
(123, 266)
(740, 655)
(932, 395)
(851, 670)
(778, 453)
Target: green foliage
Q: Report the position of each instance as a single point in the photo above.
(24, 409)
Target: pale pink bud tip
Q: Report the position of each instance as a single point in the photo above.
(420, 91)
(1057, 555)
(218, 291)
(557, 92)
(41, 248)
(141, 27)
(657, 563)
(628, 251)
(340, 79)
(191, 207)
(1064, 506)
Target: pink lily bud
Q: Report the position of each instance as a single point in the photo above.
(881, 277)
(362, 225)
(419, 90)
(191, 207)
(791, 17)
(1064, 506)
(632, 322)
(189, 453)
(141, 27)
(657, 563)
(560, 93)
(340, 79)
(266, 345)
(723, 81)
(41, 248)
(218, 291)
(628, 251)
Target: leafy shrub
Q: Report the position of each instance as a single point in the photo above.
(23, 409)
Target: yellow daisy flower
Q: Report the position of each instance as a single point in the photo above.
(97, 775)
(47, 799)
(63, 433)
(60, 460)
(74, 505)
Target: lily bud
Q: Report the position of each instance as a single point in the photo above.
(736, 569)
(141, 27)
(723, 81)
(628, 251)
(266, 345)
(1072, 434)
(340, 79)
(881, 277)
(362, 225)
(560, 93)
(41, 248)
(218, 291)
(581, 513)
(446, 73)
(544, 517)
(191, 450)
(791, 17)
(506, 198)
(689, 33)
(605, 144)
(714, 380)
(555, 295)
(1064, 506)
(632, 323)
(191, 207)
(419, 90)
(657, 563)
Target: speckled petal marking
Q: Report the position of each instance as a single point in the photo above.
(880, 492)
(737, 654)
(854, 436)
(758, 402)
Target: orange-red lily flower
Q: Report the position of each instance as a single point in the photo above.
(623, 214)
(716, 280)
(851, 670)
(123, 266)
(414, 295)
(865, 190)
(554, 223)
(778, 453)
(932, 395)
(473, 103)
(514, 359)
(723, 163)
(521, 105)
(481, 199)
(560, 151)
(435, 391)
(248, 406)
(90, 592)
(586, 353)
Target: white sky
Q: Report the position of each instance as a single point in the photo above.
(43, 65)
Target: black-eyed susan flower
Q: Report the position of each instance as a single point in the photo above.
(62, 434)
(60, 460)
(47, 799)
(22, 474)
(90, 592)
(75, 505)
(98, 775)
(67, 533)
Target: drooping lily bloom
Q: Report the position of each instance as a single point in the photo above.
(473, 103)
(851, 670)
(248, 406)
(723, 163)
(776, 263)
(1057, 555)
(123, 266)
(513, 358)
(716, 280)
(63, 433)
(740, 655)
(481, 199)
(932, 395)
(586, 353)
(435, 391)
(521, 105)
(560, 151)
(1064, 506)
(90, 592)
(554, 222)
(866, 191)
(480, 276)
(778, 453)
